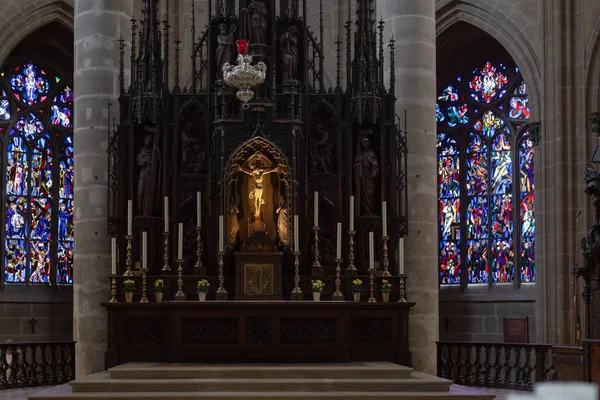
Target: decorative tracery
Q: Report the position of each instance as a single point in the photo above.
(36, 113)
(482, 118)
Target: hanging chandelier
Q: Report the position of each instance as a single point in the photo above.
(244, 76)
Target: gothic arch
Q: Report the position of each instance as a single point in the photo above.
(21, 24)
(501, 28)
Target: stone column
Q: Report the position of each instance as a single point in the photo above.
(98, 25)
(413, 25)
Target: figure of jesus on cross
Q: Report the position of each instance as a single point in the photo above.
(256, 192)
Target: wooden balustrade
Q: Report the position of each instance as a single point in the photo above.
(36, 364)
(499, 365)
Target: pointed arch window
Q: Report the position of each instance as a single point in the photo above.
(36, 130)
(486, 181)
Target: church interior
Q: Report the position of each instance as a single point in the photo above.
(235, 199)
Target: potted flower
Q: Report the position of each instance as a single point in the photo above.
(386, 288)
(202, 289)
(159, 288)
(317, 289)
(129, 288)
(357, 288)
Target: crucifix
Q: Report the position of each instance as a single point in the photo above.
(447, 322)
(32, 322)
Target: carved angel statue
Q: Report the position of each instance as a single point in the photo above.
(226, 50)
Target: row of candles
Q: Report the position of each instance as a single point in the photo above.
(221, 231)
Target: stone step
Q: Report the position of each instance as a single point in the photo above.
(94, 384)
(363, 370)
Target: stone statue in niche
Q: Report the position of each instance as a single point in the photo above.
(192, 158)
(284, 230)
(289, 54)
(148, 162)
(366, 165)
(257, 173)
(233, 223)
(320, 153)
(225, 7)
(258, 21)
(226, 50)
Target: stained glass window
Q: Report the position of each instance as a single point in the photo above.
(39, 176)
(482, 117)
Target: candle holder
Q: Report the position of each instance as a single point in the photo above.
(317, 269)
(129, 256)
(386, 262)
(402, 289)
(221, 292)
(337, 295)
(372, 298)
(144, 299)
(199, 267)
(113, 289)
(351, 270)
(297, 294)
(179, 296)
(166, 267)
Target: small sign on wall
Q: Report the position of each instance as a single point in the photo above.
(516, 330)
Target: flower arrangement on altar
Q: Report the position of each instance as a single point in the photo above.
(318, 286)
(357, 286)
(202, 286)
(386, 286)
(129, 286)
(159, 286)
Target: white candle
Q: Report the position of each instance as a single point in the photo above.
(384, 217)
(316, 206)
(220, 233)
(351, 213)
(198, 209)
(296, 235)
(145, 250)
(180, 242)
(339, 241)
(113, 253)
(129, 217)
(371, 250)
(401, 256)
(166, 214)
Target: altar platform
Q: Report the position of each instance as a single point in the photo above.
(257, 331)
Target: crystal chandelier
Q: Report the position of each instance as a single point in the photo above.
(244, 76)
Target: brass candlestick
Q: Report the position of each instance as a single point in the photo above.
(179, 296)
(144, 299)
(402, 289)
(199, 267)
(113, 289)
(386, 262)
(338, 280)
(317, 269)
(129, 256)
(297, 294)
(166, 267)
(372, 298)
(221, 292)
(351, 270)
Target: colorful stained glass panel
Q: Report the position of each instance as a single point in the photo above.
(528, 259)
(488, 83)
(449, 218)
(521, 89)
(41, 218)
(30, 126)
(450, 266)
(489, 124)
(526, 174)
(67, 170)
(65, 263)
(61, 116)
(477, 218)
(39, 253)
(450, 94)
(477, 261)
(4, 110)
(477, 167)
(457, 115)
(30, 83)
(65, 220)
(501, 165)
(16, 214)
(502, 261)
(527, 215)
(17, 167)
(502, 222)
(448, 168)
(66, 96)
(15, 261)
(519, 108)
(439, 115)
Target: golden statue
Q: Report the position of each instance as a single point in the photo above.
(256, 192)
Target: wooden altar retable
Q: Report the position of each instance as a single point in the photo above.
(246, 331)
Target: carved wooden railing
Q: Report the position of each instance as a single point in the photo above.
(498, 365)
(36, 364)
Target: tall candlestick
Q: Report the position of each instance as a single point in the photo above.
(113, 253)
(220, 233)
(384, 217)
(338, 254)
(145, 250)
(316, 207)
(198, 209)
(129, 217)
(166, 214)
(371, 250)
(351, 213)
(296, 235)
(401, 256)
(180, 242)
